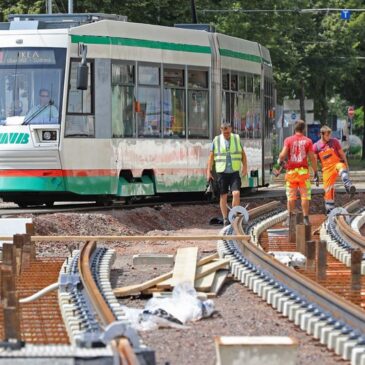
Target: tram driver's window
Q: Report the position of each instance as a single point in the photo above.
(80, 120)
(198, 104)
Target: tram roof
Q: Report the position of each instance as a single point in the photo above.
(55, 21)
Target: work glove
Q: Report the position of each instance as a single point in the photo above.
(278, 167)
(316, 178)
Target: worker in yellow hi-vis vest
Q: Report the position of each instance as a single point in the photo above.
(230, 159)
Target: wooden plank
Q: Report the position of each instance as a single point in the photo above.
(153, 259)
(252, 350)
(220, 278)
(205, 283)
(130, 238)
(200, 272)
(137, 288)
(168, 294)
(185, 266)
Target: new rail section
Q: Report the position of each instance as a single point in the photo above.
(335, 321)
(93, 316)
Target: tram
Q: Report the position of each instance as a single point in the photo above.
(95, 107)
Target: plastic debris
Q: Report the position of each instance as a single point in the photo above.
(175, 311)
(291, 259)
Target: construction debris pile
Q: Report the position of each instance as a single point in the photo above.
(175, 310)
(179, 296)
(206, 275)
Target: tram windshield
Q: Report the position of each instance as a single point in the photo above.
(31, 83)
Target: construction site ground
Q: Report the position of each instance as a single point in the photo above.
(238, 311)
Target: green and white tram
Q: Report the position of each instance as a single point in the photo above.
(95, 107)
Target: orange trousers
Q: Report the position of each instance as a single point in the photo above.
(330, 174)
(298, 179)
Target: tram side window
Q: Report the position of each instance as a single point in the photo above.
(174, 103)
(148, 104)
(198, 104)
(268, 106)
(231, 100)
(80, 121)
(257, 105)
(123, 100)
(245, 105)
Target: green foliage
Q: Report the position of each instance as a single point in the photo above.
(358, 122)
(315, 54)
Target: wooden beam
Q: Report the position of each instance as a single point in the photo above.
(137, 288)
(205, 283)
(131, 238)
(185, 266)
(200, 272)
(220, 278)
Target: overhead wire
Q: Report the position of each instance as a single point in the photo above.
(294, 10)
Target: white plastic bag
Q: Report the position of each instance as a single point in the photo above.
(175, 311)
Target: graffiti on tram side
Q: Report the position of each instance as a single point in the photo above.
(14, 138)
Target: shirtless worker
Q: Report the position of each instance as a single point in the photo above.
(334, 163)
(296, 151)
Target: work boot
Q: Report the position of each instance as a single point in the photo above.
(306, 220)
(226, 222)
(351, 190)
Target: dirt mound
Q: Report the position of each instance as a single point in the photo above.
(80, 224)
(166, 217)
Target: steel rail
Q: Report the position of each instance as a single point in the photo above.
(351, 314)
(101, 307)
(353, 238)
(353, 205)
(262, 209)
(104, 313)
(85, 207)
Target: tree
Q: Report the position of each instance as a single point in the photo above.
(304, 47)
(352, 86)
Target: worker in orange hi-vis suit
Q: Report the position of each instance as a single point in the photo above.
(334, 163)
(297, 149)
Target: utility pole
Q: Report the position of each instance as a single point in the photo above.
(49, 6)
(70, 6)
(193, 12)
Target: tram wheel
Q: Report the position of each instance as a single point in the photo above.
(49, 204)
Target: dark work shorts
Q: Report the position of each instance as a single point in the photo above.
(228, 182)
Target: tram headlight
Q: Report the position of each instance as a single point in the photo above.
(49, 136)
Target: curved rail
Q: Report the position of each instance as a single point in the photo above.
(262, 209)
(96, 298)
(101, 307)
(351, 314)
(352, 236)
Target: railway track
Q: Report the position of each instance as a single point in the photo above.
(342, 233)
(96, 317)
(96, 325)
(319, 310)
(81, 323)
(8, 209)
